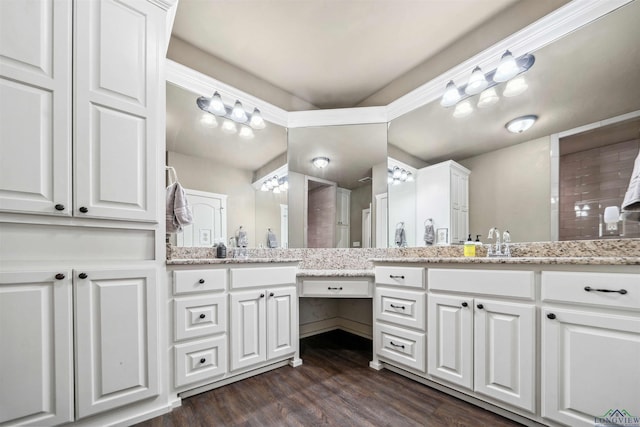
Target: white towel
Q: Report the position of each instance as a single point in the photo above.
(272, 240)
(178, 212)
(242, 239)
(401, 238)
(631, 200)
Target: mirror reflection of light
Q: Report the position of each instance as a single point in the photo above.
(515, 87)
(487, 98)
(246, 132)
(229, 127)
(463, 109)
(207, 120)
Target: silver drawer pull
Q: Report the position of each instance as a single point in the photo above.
(396, 345)
(619, 291)
(335, 289)
(398, 306)
(396, 277)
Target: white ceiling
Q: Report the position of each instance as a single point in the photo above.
(331, 53)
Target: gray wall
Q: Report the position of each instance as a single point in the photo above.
(296, 209)
(360, 199)
(510, 189)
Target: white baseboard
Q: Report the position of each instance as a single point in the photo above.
(326, 325)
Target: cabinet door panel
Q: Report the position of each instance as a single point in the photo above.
(504, 363)
(116, 339)
(280, 322)
(248, 328)
(589, 365)
(450, 339)
(117, 109)
(36, 375)
(35, 106)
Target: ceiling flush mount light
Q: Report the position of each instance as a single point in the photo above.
(482, 83)
(520, 124)
(477, 82)
(216, 106)
(320, 162)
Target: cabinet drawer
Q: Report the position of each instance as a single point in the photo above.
(501, 283)
(200, 360)
(570, 287)
(199, 316)
(188, 281)
(336, 288)
(401, 307)
(402, 346)
(412, 277)
(262, 276)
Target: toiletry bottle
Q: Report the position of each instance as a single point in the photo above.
(478, 243)
(221, 250)
(469, 247)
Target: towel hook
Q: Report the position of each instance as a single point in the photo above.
(172, 172)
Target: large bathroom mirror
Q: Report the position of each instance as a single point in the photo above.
(586, 77)
(223, 173)
(336, 174)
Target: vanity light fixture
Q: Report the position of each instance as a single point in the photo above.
(216, 106)
(275, 184)
(320, 162)
(398, 175)
(481, 83)
(520, 124)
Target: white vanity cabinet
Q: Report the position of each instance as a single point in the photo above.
(36, 348)
(105, 109)
(479, 336)
(400, 317)
(590, 345)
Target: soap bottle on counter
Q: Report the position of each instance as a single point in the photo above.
(221, 250)
(469, 247)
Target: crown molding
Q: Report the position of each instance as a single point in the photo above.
(546, 30)
(541, 33)
(338, 116)
(202, 84)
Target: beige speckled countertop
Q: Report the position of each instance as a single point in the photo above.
(336, 273)
(609, 260)
(199, 261)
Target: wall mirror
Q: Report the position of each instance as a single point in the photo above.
(212, 163)
(332, 201)
(586, 77)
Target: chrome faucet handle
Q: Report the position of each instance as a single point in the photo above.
(506, 237)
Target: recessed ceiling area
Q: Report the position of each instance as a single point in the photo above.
(332, 54)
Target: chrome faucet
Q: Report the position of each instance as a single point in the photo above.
(498, 251)
(506, 239)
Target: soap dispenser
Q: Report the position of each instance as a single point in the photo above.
(469, 247)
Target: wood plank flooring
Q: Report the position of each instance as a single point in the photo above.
(334, 387)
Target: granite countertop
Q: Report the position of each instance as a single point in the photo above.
(203, 261)
(336, 273)
(608, 260)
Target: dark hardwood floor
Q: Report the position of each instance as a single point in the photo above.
(334, 387)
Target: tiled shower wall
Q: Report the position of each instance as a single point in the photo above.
(590, 181)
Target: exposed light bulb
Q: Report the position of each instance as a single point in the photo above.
(264, 187)
(256, 122)
(229, 127)
(507, 69)
(488, 98)
(216, 106)
(396, 172)
(520, 124)
(515, 87)
(451, 95)
(208, 120)
(246, 132)
(238, 114)
(403, 175)
(463, 109)
(409, 177)
(477, 82)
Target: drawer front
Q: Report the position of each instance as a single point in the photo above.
(570, 287)
(412, 277)
(402, 346)
(405, 308)
(501, 283)
(200, 316)
(200, 360)
(262, 276)
(189, 281)
(336, 288)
